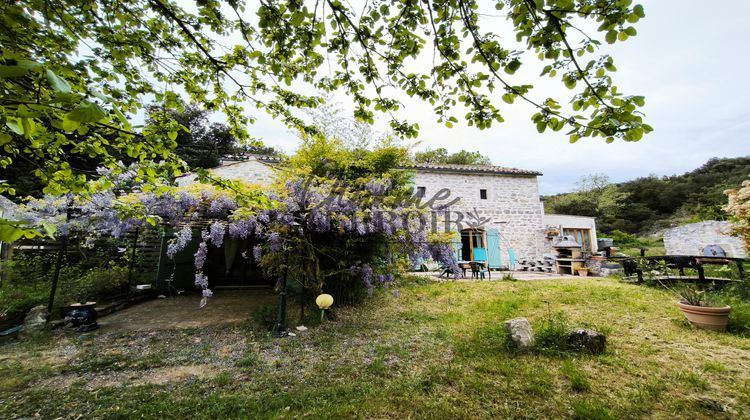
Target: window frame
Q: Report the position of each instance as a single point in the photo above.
(580, 235)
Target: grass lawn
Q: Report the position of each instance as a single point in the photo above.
(438, 350)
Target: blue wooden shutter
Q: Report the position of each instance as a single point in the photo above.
(493, 248)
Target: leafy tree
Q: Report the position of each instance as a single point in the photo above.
(74, 73)
(462, 157)
(199, 143)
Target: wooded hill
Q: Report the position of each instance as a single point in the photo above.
(650, 203)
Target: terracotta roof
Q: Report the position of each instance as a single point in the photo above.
(481, 169)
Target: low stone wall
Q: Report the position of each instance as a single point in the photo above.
(690, 239)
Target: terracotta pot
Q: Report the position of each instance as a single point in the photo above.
(706, 317)
(583, 273)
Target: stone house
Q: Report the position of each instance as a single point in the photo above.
(497, 210)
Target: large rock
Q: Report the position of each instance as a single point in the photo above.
(36, 320)
(520, 332)
(590, 341)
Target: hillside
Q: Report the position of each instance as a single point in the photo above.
(650, 203)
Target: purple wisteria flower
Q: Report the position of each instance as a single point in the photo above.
(180, 241)
(274, 241)
(216, 233)
(201, 280)
(257, 253)
(200, 255)
(367, 278)
(242, 228)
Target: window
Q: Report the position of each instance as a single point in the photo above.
(421, 192)
(483, 194)
(582, 236)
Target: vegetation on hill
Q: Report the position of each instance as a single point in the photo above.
(651, 202)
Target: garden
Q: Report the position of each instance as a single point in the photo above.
(439, 346)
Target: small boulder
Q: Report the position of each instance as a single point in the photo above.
(520, 332)
(36, 320)
(591, 341)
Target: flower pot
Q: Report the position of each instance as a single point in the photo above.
(583, 272)
(706, 317)
(82, 316)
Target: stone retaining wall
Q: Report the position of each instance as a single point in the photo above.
(690, 239)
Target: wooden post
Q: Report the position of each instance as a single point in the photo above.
(701, 273)
(132, 261)
(56, 274)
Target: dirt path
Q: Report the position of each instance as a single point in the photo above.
(225, 307)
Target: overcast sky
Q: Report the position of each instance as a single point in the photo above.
(689, 60)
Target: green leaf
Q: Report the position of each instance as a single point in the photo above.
(58, 83)
(541, 126)
(7, 72)
(638, 10)
(611, 36)
(509, 98)
(14, 126)
(69, 125)
(87, 112)
(512, 66)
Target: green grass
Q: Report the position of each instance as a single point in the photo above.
(438, 350)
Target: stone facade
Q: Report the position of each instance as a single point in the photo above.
(512, 205)
(690, 239)
(254, 170)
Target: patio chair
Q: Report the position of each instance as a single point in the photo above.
(478, 270)
(447, 270)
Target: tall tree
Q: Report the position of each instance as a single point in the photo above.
(200, 143)
(462, 157)
(73, 73)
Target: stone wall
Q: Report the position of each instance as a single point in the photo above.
(512, 206)
(690, 239)
(251, 170)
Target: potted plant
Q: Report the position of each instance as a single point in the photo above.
(702, 310)
(582, 271)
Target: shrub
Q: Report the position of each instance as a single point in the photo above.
(29, 278)
(266, 316)
(16, 299)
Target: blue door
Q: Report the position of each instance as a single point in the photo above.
(493, 248)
